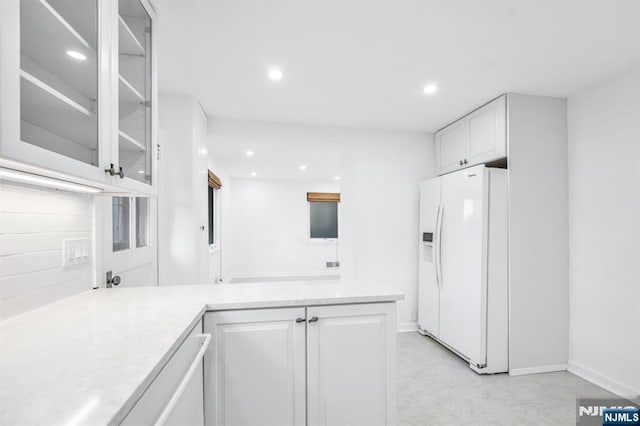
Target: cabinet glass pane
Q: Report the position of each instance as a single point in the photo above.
(134, 90)
(120, 222)
(59, 77)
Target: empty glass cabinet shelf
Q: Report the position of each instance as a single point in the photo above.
(59, 77)
(134, 90)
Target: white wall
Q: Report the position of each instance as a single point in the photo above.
(268, 230)
(183, 256)
(538, 234)
(604, 233)
(381, 172)
(33, 224)
(381, 213)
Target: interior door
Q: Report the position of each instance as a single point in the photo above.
(350, 365)
(463, 289)
(128, 240)
(255, 374)
(428, 288)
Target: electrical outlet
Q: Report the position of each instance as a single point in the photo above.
(75, 251)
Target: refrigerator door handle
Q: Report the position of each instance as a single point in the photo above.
(437, 245)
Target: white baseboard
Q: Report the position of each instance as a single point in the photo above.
(407, 327)
(606, 383)
(537, 370)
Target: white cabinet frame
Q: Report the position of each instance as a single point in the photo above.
(26, 156)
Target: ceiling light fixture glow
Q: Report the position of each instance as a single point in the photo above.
(338, 178)
(275, 74)
(141, 172)
(77, 55)
(254, 174)
(303, 167)
(249, 153)
(430, 89)
(28, 178)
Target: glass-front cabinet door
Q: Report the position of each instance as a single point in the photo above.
(78, 91)
(135, 91)
(59, 77)
(52, 79)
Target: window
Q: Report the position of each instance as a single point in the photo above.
(120, 218)
(130, 214)
(142, 222)
(212, 215)
(323, 215)
(213, 208)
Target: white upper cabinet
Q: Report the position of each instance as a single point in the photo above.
(65, 80)
(488, 132)
(477, 138)
(452, 146)
(136, 92)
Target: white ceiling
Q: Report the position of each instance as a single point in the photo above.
(363, 63)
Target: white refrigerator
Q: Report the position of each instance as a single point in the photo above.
(463, 265)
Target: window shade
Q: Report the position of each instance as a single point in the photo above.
(214, 181)
(323, 196)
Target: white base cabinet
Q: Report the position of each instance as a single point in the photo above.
(321, 365)
(254, 375)
(351, 365)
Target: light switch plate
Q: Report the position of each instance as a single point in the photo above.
(75, 251)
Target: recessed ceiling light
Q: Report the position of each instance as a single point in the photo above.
(275, 74)
(254, 174)
(338, 177)
(430, 89)
(249, 153)
(77, 55)
(141, 172)
(303, 167)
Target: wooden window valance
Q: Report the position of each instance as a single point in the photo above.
(214, 181)
(323, 196)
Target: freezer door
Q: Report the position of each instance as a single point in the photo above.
(428, 291)
(463, 260)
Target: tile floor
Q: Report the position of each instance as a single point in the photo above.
(437, 388)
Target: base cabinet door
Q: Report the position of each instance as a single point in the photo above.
(351, 365)
(255, 373)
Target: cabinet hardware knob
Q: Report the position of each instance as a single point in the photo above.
(465, 161)
(121, 173)
(461, 162)
(111, 170)
(202, 228)
(301, 319)
(313, 319)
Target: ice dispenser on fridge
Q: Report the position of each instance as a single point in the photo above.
(427, 246)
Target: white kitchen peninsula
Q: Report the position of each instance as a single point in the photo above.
(90, 359)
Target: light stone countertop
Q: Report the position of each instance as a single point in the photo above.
(87, 359)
